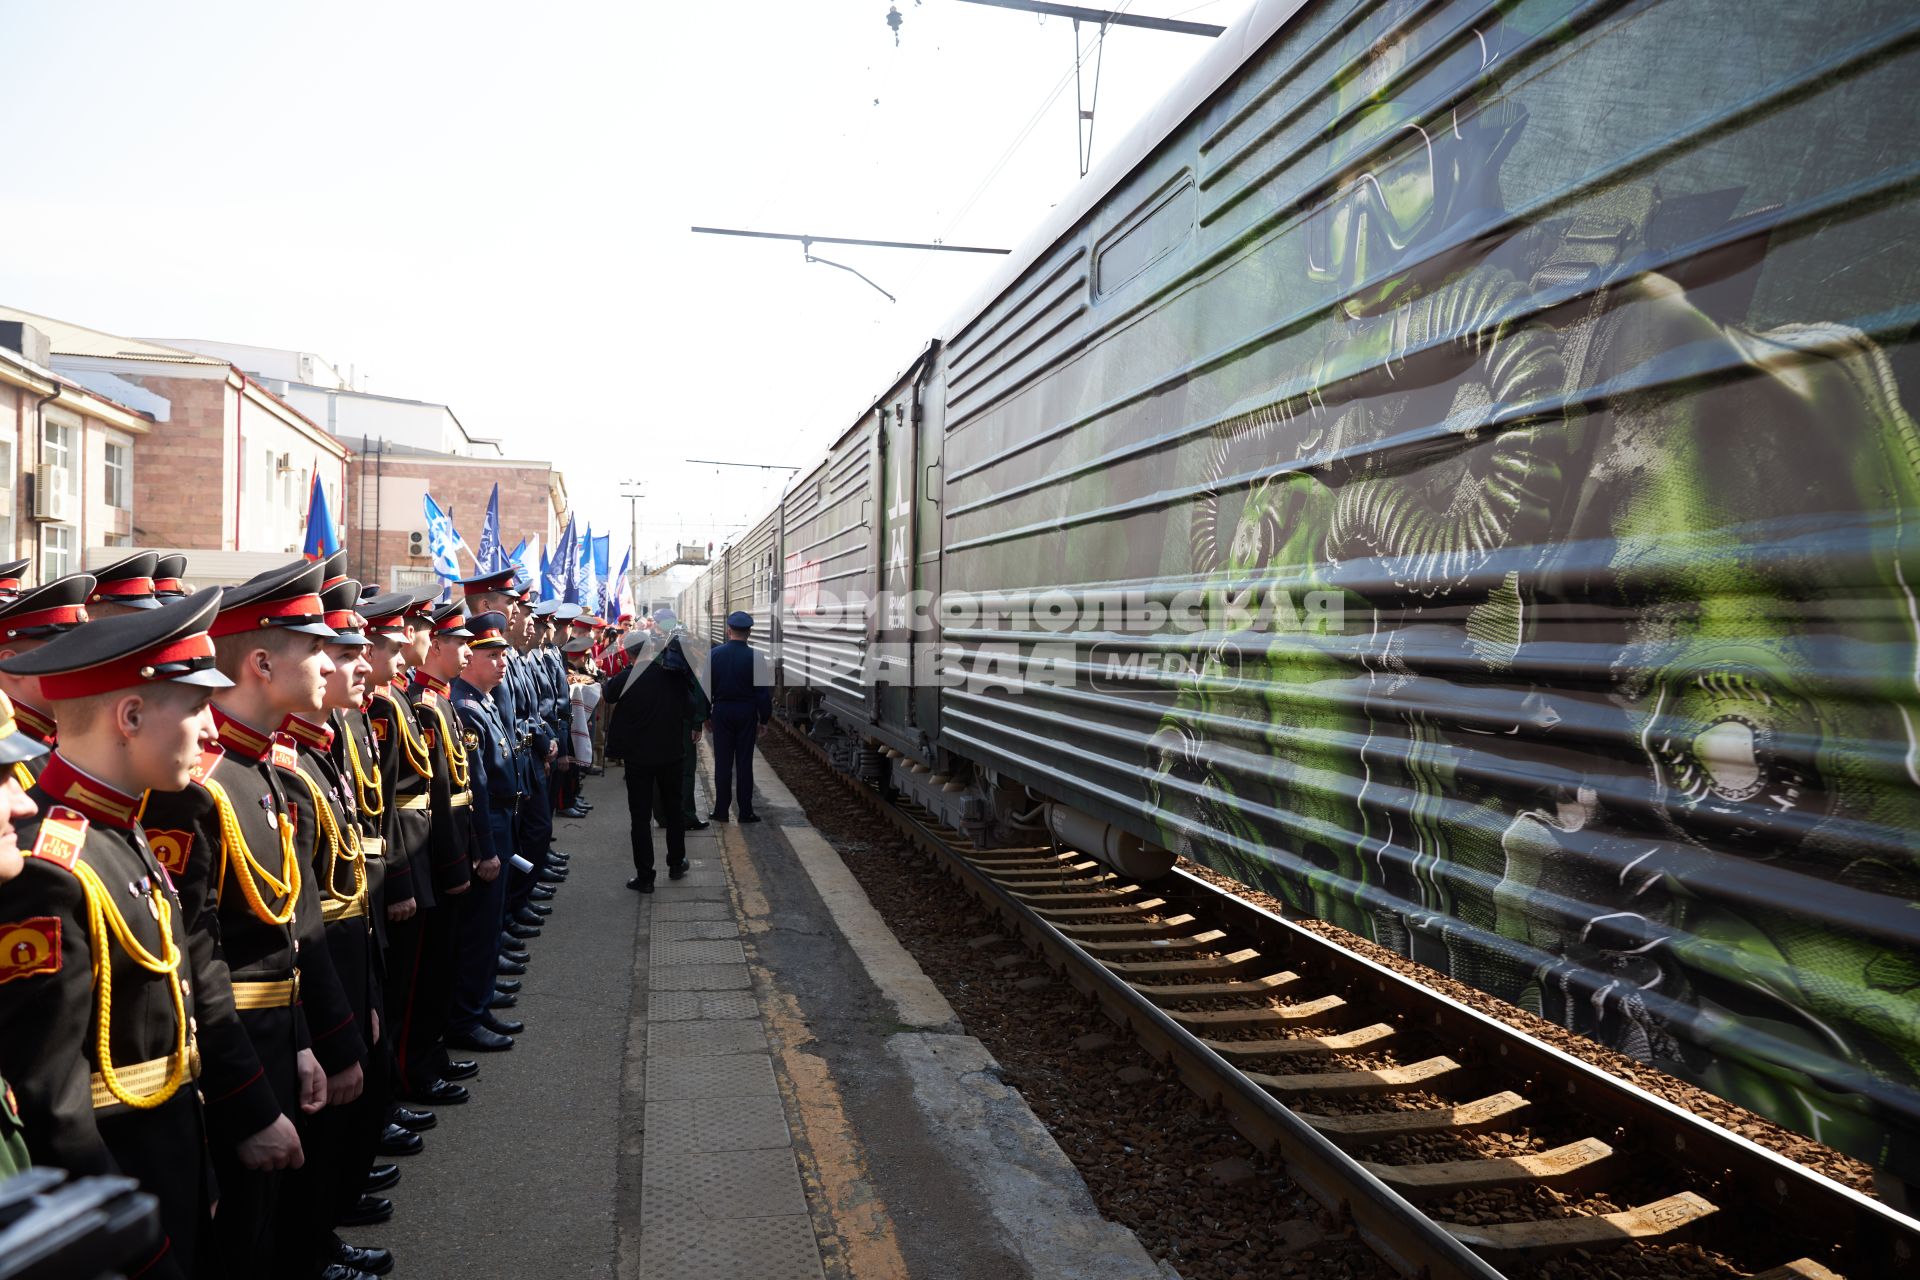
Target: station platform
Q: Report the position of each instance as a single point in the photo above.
(741, 1075)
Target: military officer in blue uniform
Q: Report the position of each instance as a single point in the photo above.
(741, 706)
(493, 778)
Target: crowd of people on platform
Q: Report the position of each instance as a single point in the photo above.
(270, 860)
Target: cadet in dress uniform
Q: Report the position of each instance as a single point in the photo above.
(425, 875)
(741, 707)
(526, 742)
(124, 586)
(233, 843)
(28, 621)
(94, 946)
(339, 1140)
(494, 779)
(169, 574)
(548, 675)
(12, 573)
(432, 685)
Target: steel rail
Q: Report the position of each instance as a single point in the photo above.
(1867, 1237)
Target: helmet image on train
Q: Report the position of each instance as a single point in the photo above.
(1617, 716)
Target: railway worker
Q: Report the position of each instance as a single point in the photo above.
(94, 946)
(494, 779)
(124, 586)
(425, 874)
(651, 729)
(477, 922)
(29, 620)
(278, 1035)
(741, 706)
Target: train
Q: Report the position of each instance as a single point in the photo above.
(1447, 469)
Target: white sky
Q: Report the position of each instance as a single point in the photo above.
(487, 204)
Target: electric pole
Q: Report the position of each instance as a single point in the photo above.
(632, 491)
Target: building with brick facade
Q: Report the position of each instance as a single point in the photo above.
(385, 513)
(67, 475)
(228, 467)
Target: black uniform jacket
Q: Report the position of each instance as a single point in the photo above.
(406, 781)
(652, 711)
(451, 799)
(87, 853)
(356, 759)
(253, 927)
(339, 865)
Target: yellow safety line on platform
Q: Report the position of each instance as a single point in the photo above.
(833, 1160)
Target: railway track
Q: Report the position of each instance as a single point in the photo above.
(1455, 1144)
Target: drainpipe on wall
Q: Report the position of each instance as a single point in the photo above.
(39, 444)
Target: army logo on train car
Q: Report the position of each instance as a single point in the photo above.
(171, 848)
(28, 947)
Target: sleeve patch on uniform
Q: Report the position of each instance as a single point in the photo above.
(28, 947)
(62, 832)
(379, 727)
(171, 848)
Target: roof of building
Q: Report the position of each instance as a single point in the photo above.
(69, 339)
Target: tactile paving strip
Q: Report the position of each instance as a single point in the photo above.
(687, 891)
(698, 977)
(665, 910)
(684, 930)
(696, 951)
(748, 1075)
(694, 1248)
(721, 1184)
(680, 1126)
(684, 1006)
(705, 1039)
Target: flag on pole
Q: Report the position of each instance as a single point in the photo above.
(443, 541)
(618, 603)
(525, 560)
(547, 591)
(491, 557)
(586, 588)
(322, 538)
(602, 552)
(566, 566)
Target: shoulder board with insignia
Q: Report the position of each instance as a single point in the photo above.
(62, 833)
(284, 754)
(209, 760)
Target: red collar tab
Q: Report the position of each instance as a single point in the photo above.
(34, 721)
(433, 684)
(52, 621)
(239, 739)
(292, 611)
(307, 733)
(176, 657)
(101, 804)
(122, 589)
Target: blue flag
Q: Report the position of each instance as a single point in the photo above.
(586, 591)
(491, 557)
(322, 539)
(617, 590)
(443, 541)
(524, 560)
(602, 553)
(545, 579)
(566, 565)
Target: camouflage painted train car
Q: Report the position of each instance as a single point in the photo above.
(1450, 470)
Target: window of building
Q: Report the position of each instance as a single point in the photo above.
(119, 478)
(56, 449)
(56, 551)
(119, 540)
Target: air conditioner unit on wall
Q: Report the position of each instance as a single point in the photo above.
(417, 544)
(51, 501)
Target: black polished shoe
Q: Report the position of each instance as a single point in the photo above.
(527, 916)
(518, 930)
(550, 876)
(482, 1039)
(749, 817)
(716, 816)
(396, 1141)
(539, 909)
(369, 1210)
(502, 1026)
(516, 953)
(557, 859)
(445, 1093)
(639, 885)
(382, 1176)
(503, 1000)
(698, 826)
(340, 1271)
(510, 967)
(508, 985)
(675, 870)
(460, 1069)
(542, 893)
(371, 1262)
(419, 1119)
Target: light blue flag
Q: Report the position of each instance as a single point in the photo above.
(491, 557)
(602, 553)
(443, 541)
(526, 560)
(617, 591)
(586, 585)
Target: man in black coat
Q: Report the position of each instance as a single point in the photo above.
(652, 727)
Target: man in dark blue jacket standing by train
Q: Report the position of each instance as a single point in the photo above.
(740, 706)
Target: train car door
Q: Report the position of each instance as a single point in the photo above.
(892, 659)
